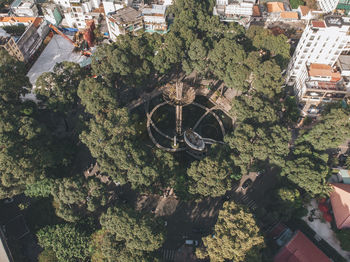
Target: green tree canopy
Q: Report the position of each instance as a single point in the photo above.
(75, 197)
(236, 236)
(137, 232)
(68, 241)
(331, 131)
(213, 175)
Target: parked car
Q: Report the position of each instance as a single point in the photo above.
(247, 183)
(191, 242)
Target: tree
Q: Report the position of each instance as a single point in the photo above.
(254, 108)
(58, 89)
(27, 155)
(276, 46)
(332, 130)
(47, 255)
(227, 63)
(213, 175)
(105, 247)
(251, 143)
(137, 232)
(75, 197)
(41, 188)
(68, 241)
(236, 236)
(308, 170)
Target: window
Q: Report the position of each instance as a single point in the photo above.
(312, 37)
(309, 44)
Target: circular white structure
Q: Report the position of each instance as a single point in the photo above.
(194, 140)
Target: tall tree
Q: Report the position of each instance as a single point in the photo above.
(332, 130)
(68, 241)
(136, 231)
(76, 197)
(236, 236)
(213, 175)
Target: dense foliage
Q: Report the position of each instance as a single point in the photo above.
(236, 236)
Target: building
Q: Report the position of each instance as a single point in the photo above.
(154, 18)
(300, 249)
(343, 6)
(12, 20)
(321, 44)
(123, 21)
(24, 47)
(328, 6)
(340, 200)
(52, 13)
(233, 10)
(24, 8)
(111, 6)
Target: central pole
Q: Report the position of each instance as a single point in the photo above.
(179, 87)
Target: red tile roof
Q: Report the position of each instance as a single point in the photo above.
(319, 24)
(304, 10)
(300, 249)
(324, 71)
(289, 15)
(256, 10)
(340, 199)
(273, 7)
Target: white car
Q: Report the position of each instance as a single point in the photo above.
(191, 242)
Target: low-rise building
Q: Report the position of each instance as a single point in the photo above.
(340, 199)
(233, 10)
(24, 8)
(52, 13)
(154, 18)
(13, 20)
(123, 21)
(299, 248)
(24, 47)
(111, 6)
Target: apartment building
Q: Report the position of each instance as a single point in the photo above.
(111, 6)
(154, 18)
(24, 8)
(24, 47)
(318, 50)
(52, 13)
(123, 21)
(328, 6)
(232, 10)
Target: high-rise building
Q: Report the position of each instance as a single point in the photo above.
(328, 6)
(314, 59)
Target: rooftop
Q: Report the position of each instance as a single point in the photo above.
(17, 19)
(273, 7)
(126, 15)
(340, 199)
(256, 10)
(304, 10)
(300, 249)
(318, 24)
(322, 70)
(154, 9)
(289, 15)
(344, 61)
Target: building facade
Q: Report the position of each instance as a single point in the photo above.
(154, 18)
(24, 47)
(318, 51)
(233, 10)
(123, 21)
(24, 8)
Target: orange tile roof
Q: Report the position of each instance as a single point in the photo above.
(256, 10)
(37, 21)
(319, 24)
(289, 15)
(17, 19)
(300, 249)
(340, 199)
(273, 7)
(320, 70)
(304, 10)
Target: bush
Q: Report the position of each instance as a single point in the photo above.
(344, 238)
(295, 3)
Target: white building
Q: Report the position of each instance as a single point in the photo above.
(123, 21)
(321, 43)
(154, 18)
(24, 8)
(51, 13)
(328, 6)
(231, 10)
(111, 6)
